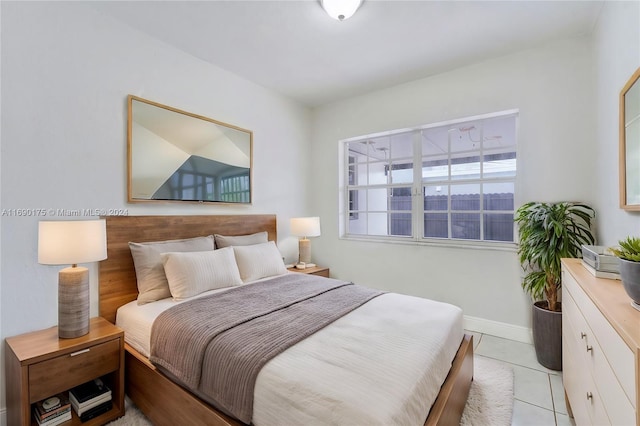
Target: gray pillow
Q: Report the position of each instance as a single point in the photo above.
(152, 281)
(223, 241)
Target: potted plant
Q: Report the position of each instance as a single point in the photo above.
(547, 233)
(629, 254)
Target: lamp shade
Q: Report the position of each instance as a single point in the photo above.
(341, 9)
(71, 242)
(305, 226)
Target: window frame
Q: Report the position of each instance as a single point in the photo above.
(418, 185)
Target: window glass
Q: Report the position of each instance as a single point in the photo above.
(400, 198)
(465, 197)
(465, 226)
(436, 225)
(498, 227)
(467, 181)
(499, 196)
(400, 224)
(436, 197)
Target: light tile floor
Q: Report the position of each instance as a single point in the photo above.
(538, 391)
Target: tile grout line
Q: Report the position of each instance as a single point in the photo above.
(533, 405)
(553, 401)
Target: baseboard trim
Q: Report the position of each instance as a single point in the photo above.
(498, 329)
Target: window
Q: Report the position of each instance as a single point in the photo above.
(447, 181)
(353, 200)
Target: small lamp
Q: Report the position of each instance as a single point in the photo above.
(305, 227)
(72, 242)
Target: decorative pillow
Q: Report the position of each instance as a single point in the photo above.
(259, 261)
(191, 273)
(241, 240)
(152, 282)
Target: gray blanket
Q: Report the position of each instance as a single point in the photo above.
(216, 345)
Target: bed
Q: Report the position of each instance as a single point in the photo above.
(166, 402)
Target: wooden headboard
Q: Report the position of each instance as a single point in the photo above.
(117, 274)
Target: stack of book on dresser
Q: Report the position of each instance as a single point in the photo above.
(601, 262)
(53, 410)
(91, 399)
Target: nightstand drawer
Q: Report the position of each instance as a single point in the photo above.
(66, 371)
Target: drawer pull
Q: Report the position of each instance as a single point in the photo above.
(589, 348)
(583, 334)
(84, 351)
(589, 395)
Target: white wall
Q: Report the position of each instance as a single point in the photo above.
(552, 86)
(66, 73)
(617, 54)
(3, 419)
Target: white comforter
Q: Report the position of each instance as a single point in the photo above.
(381, 364)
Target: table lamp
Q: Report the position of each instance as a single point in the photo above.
(305, 227)
(72, 242)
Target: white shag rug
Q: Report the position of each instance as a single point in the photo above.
(490, 400)
(132, 416)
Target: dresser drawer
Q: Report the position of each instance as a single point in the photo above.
(601, 348)
(617, 403)
(613, 353)
(66, 371)
(588, 353)
(585, 398)
(592, 398)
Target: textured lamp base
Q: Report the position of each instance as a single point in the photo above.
(304, 248)
(73, 302)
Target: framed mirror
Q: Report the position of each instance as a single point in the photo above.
(175, 155)
(630, 144)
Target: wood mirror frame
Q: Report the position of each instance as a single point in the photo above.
(630, 144)
(174, 155)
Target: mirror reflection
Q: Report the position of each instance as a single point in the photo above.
(179, 156)
(630, 144)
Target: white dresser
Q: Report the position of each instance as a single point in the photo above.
(600, 349)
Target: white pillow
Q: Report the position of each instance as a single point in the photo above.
(259, 261)
(191, 273)
(152, 282)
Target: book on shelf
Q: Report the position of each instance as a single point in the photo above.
(51, 407)
(56, 419)
(86, 393)
(600, 274)
(96, 411)
(88, 405)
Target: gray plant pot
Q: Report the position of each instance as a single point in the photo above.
(630, 275)
(547, 336)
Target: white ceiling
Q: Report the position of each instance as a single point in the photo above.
(294, 48)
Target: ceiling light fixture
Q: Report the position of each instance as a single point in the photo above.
(341, 9)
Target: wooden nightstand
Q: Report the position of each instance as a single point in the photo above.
(315, 270)
(39, 365)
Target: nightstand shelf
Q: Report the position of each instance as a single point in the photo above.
(39, 365)
(315, 270)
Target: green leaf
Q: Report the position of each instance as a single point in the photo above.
(629, 249)
(547, 232)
